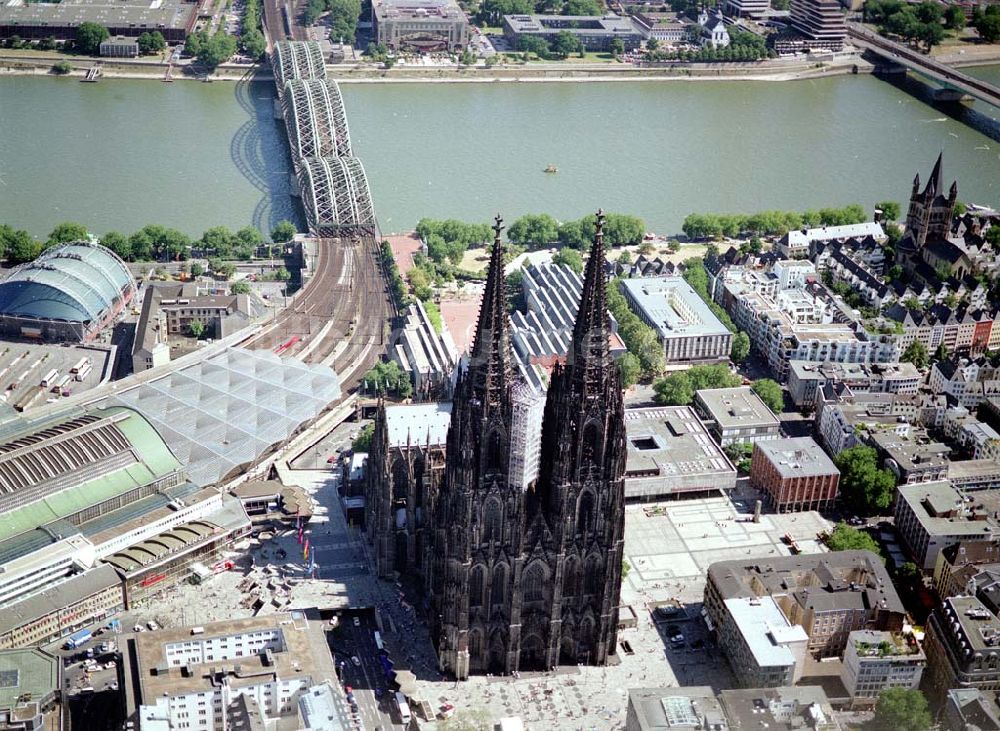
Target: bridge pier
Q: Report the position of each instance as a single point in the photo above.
(952, 95)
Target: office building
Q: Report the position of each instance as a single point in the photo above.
(595, 32)
(687, 708)
(30, 690)
(420, 26)
(174, 19)
(934, 515)
(962, 646)
(189, 677)
(753, 9)
(974, 474)
(764, 649)
(911, 457)
(795, 474)
(779, 709)
(671, 454)
(828, 594)
(689, 330)
(805, 379)
(737, 415)
(821, 22)
(875, 661)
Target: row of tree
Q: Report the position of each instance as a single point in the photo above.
(491, 12)
(767, 223)
(342, 17)
(644, 347)
(210, 49)
(150, 243)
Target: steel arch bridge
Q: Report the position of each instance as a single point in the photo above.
(297, 60)
(315, 119)
(335, 195)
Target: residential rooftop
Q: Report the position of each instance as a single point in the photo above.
(943, 510)
(870, 643)
(686, 708)
(766, 630)
(977, 625)
(779, 709)
(798, 457)
(913, 451)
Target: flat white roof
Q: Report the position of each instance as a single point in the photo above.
(418, 423)
(763, 627)
(673, 307)
(830, 233)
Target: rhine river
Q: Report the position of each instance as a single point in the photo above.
(120, 154)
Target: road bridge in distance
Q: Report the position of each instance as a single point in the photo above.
(955, 82)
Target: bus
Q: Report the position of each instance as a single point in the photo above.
(378, 642)
(404, 708)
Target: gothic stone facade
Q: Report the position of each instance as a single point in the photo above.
(523, 579)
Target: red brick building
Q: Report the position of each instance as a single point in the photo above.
(796, 474)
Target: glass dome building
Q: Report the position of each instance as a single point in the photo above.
(69, 293)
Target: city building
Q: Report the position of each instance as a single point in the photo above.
(427, 355)
(174, 19)
(962, 643)
(189, 677)
(805, 379)
(62, 608)
(690, 708)
(971, 709)
(828, 594)
(671, 454)
(119, 47)
(753, 9)
(420, 26)
(490, 578)
(168, 311)
(595, 32)
(958, 565)
(976, 438)
(911, 457)
(30, 690)
(969, 382)
(821, 22)
(974, 474)
(688, 329)
(713, 33)
(737, 415)
(71, 292)
(764, 649)
(779, 709)
(795, 474)
(934, 515)
(670, 29)
(796, 243)
(789, 317)
(875, 661)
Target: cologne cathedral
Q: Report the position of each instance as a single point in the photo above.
(516, 577)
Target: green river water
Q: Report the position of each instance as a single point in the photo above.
(120, 154)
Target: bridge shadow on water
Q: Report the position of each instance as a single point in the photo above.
(260, 152)
(980, 116)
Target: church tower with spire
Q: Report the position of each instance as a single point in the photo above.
(929, 215)
(479, 518)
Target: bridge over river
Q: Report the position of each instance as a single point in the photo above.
(924, 65)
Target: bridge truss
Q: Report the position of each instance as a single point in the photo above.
(297, 60)
(315, 119)
(335, 195)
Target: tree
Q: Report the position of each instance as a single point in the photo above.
(151, 43)
(570, 258)
(565, 43)
(625, 257)
(283, 232)
(363, 441)
(740, 455)
(67, 232)
(240, 287)
(219, 240)
(253, 43)
(954, 17)
(941, 354)
(900, 708)
(387, 377)
(21, 247)
(281, 274)
(740, 348)
(216, 50)
(583, 7)
(617, 47)
(61, 68)
(247, 240)
(197, 269)
(770, 393)
(988, 26)
(863, 485)
(845, 538)
(420, 284)
(196, 328)
(535, 231)
(630, 369)
(118, 243)
(674, 390)
(890, 210)
(533, 44)
(652, 44)
(89, 37)
(916, 353)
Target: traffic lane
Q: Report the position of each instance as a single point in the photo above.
(362, 678)
(363, 642)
